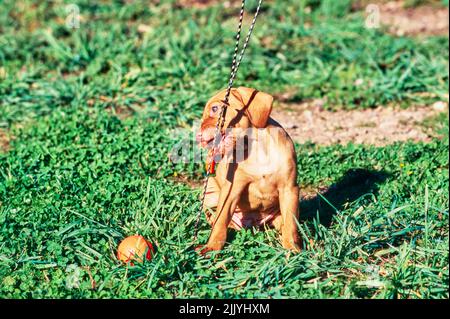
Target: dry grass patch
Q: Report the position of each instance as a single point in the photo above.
(5, 138)
(309, 122)
(405, 19)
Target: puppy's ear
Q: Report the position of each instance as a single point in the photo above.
(258, 105)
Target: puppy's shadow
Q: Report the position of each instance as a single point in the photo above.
(351, 186)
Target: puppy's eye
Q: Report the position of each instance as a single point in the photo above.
(215, 108)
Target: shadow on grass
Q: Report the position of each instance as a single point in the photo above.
(354, 184)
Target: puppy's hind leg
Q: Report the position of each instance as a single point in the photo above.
(212, 201)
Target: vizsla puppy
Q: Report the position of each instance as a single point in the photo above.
(256, 178)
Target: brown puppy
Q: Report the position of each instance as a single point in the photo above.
(256, 179)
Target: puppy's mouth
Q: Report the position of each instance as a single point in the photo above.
(205, 142)
(207, 139)
(208, 142)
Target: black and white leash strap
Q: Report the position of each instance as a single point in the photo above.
(234, 68)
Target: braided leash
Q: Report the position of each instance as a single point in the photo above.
(221, 120)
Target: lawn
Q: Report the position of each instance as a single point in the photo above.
(89, 117)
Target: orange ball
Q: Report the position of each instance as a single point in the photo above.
(134, 248)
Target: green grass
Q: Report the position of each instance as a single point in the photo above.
(79, 175)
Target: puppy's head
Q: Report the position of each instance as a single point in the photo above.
(247, 108)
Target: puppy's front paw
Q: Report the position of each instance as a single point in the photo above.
(205, 249)
(292, 245)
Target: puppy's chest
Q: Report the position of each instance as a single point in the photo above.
(262, 192)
